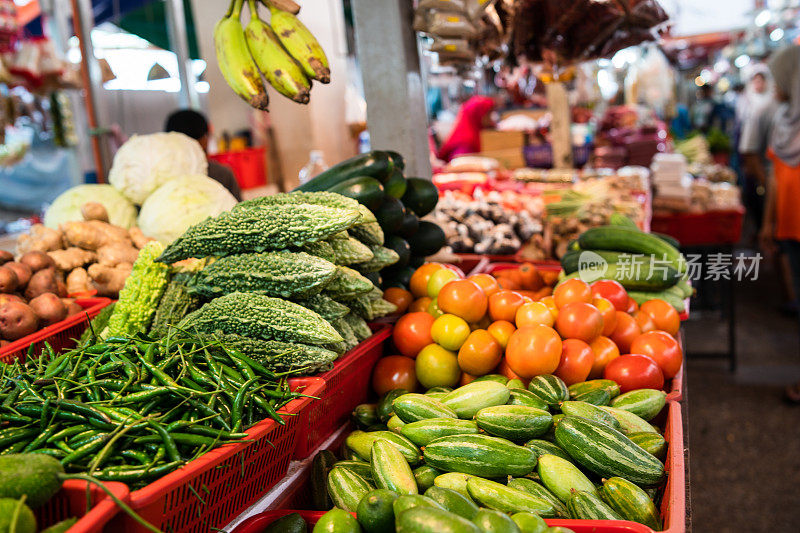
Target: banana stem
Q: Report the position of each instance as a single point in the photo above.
(236, 11)
(227, 15)
(253, 8)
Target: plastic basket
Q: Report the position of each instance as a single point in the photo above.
(711, 228)
(60, 336)
(211, 491)
(249, 166)
(346, 385)
(70, 502)
(477, 263)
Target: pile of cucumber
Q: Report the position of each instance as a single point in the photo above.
(376, 180)
(648, 265)
(492, 456)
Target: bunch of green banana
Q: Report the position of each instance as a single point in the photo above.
(301, 44)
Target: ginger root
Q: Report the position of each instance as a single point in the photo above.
(71, 258)
(94, 211)
(78, 281)
(39, 239)
(92, 234)
(139, 239)
(109, 280)
(116, 253)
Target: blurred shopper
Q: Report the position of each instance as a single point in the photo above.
(465, 138)
(195, 125)
(704, 109)
(782, 213)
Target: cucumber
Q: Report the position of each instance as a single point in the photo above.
(526, 398)
(365, 415)
(347, 488)
(645, 403)
(385, 409)
(579, 388)
(389, 214)
(549, 388)
(514, 422)
(466, 401)
(506, 499)
(480, 455)
(321, 465)
(397, 159)
(641, 297)
(562, 478)
(428, 239)
(375, 511)
(396, 185)
(337, 521)
(596, 397)
(490, 521)
(587, 506)
(367, 191)
(453, 501)
(375, 164)
(630, 422)
(413, 407)
(395, 424)
(591, 412)
(543, 447)
(425, 476)
(409, 501)
(421, 196)
(631, 240)
(535, 488)
(433, 520)
(630, 502)
(409, 226)
(669, 239)
(454, 481)
(493, 377)
(652, 443)
(423, 432)
(529, 523)
(357, 467)
(361, 443)
(571, 261)
(607, 452)
(401, 248)
(390, 470)
(290, 523)
(641, 276)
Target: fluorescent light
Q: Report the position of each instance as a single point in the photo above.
(776, 35)
(763, 18)
(742, 61)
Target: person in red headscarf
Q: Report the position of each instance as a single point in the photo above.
(466, 135)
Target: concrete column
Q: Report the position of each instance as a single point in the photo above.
(179, 42)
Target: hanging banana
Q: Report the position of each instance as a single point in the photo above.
(278, 67)
(301, 44)
(235, 62)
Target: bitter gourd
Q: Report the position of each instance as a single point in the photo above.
(280, 356)
(280, 274)
(381, 258)
(348, 250)
(347, 333)
(99, 323)
(321, 249)
(347, 284)
(359, 326)
(176, 303)
(371, 305)
(326, 307)
(261, 317)
(259, 229)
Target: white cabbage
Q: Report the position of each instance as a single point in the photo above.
(67, 207)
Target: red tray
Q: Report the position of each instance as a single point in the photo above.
(228, 479)
(70, 502)
(249, 166)
(60, 336)
(346, 386)
(698, 229)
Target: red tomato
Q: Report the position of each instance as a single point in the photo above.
(609, 313)
(579, 320)
(645, 322)
(412, 333)
(633, 372)
(399, 297)
(576, 361)
(486, 282)
(612, 291)
(503, 305)
(463, 298)
(662, 348)
(604, 351)
(572, 291)
(533, 351)
(632, 306)
(663, 314)
(625, 331)
(394, 372)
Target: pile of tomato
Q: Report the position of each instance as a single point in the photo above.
(456, 329)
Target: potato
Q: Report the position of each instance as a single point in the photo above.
(5, 257)
(23, 272)
(37, 260)
(62, 288)
(42, 282)
(11, 298)
(74, 309)
(8, 280)
(49, 308)
(17, 320)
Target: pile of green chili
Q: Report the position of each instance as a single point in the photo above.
(134, 409)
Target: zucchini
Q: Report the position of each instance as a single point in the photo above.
(399, 246)
(529, 523)
(526, 398)
(361, 443)
(466, 401)
(409, 226)
(427, 519)
(490, 521)
(396, 185)
(630, 502)
(571, 261)
(390, 214)
(368, 191)
(652, 443)
(514, 422)
(590, 412)
(414, 407)
(641, 276)
(537, 489)
(347, 488)
(506, 499)
(421, 196)
(630, 422)
(641, 297)
(453, 501)
(480, 455)
(645, 403)
(428, 239)
(390, 470)
(397, 159)
(374, 164)
(587, 506)
(633, 241)
(549, 388)
(585, 386)
(425, 476)
(423, 432)
(543, 447)
(562, 478)
(672, 241)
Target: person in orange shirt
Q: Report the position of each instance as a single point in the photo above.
(782, 209)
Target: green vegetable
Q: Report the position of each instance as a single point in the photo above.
(61, 527)
(562, 478)
(428, 519)
(349, 251)
(291, 523)
(396, 185)
(359, 326)
(630, 240)
(176, 303)
(413, 407)
(348, 284)
(376, 164)
(324, 306)
(480, 455)
(428, 239)
(423, 432)
(344, 329)
(514, 422)
(16, 517)
(337, 521)
(321, 465)
(347, 488)
(534, 488)
(376, 512)
(630, 502)
(466, 401)
(587, 506)
(421, 196)
(390, 470)
(98, 324)
(390, 214)
(366, 190)
(371, 305)
(492, 521)
(549, 388)
(361, 443)
(279, 356)
(646, 403)
(453, 501)
(381, 258)
(321, 249)
(506, 499)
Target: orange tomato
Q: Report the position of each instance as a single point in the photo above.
(399, 297)
(531, 314)
(533, 350)
(577, 358)
(439, 279)
(531, 279)
(420, 277)
(572, 291)
(504, 370)
(549, 277)
(420, 304)
(579, 320)
(463, 298)
(632, 305)
(604, 351)
(480, 353)
(662, 348)
(663, 314)
(501, 330)
(644, 320)
(550, 302)
(486, 282)
(412, 333)
(450, 332)
(394, 372)
(433, 308)
(625, 331)
(466, 379)
(608, 312)
(503, 305)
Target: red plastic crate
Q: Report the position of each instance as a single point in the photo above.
(346, 386)
(228, 479)
(249, 166)
(61, 335)
(477, 263)
(697, 229)
(70, 502)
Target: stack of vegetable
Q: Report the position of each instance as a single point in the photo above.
(496, 456)
(649, 266)
(376, 180)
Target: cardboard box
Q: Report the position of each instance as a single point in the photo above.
(509, 158)
(492, 140)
